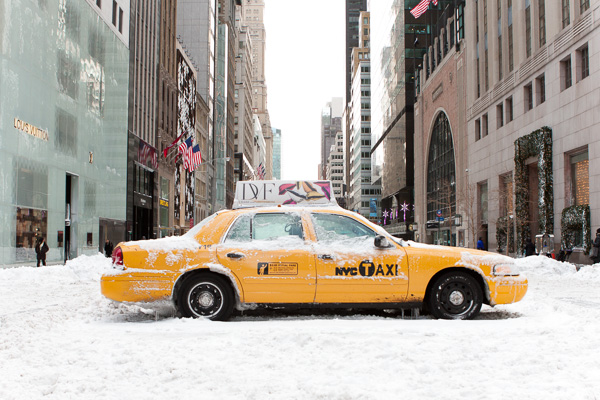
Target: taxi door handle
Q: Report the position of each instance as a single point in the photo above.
(235, 255)
(326, 257)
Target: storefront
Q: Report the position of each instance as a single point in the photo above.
(63, 130)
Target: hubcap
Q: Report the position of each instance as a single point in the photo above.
(205, 299)
(456, 298)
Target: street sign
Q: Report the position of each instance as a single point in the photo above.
(438, 213)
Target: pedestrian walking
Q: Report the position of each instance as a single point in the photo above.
(108, 248)
(480, 245)
(595, 253)
(41, 248)
(529, 248)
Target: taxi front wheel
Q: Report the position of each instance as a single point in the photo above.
(455, 295)
(205, 295)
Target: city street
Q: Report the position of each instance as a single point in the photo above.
(60, 338)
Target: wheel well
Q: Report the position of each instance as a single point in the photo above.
(478, 278)
(201, 271)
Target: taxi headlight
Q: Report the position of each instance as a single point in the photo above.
(506, 270)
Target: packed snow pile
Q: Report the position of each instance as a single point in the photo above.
(60, 338)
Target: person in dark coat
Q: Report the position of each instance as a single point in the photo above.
(596, 248)
(529, 248)
(41, 248)
(108, 248)
(480, 245)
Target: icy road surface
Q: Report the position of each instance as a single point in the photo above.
(60, 339)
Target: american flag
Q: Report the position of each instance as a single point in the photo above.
(422, 7)
(184, 148)
(147, 153)
(261, 171)
(195, 159)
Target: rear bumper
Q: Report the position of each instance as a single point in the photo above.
(507, 289)
(136, 287)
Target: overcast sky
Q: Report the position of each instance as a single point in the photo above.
(305, 55)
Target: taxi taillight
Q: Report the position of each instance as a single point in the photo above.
(117, 256)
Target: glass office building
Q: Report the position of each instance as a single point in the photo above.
(63, 129)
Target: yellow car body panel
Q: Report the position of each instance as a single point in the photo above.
(305, 272)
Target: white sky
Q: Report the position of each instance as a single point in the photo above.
(305, 56)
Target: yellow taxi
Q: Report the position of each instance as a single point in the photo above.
(288, 244)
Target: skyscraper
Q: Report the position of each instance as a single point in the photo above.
(276, 153)
(331, 124)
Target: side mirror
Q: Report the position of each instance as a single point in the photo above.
(381, 242)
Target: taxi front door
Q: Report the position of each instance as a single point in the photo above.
(269, 255)
(350, 269)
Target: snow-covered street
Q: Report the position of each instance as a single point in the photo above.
(60, 339)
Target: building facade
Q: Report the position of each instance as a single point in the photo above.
(254, 19)
(335, 168)
(64, 73)
(531, 121)
(398, 44)
(363, 196)
(523, 148)
(142, 168)
(167, 117)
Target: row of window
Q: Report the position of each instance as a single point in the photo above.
(482, 47)
(117, 14)
(536, 90)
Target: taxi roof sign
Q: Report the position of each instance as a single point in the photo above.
(276, 192)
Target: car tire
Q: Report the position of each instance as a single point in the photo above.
(205, 295)
(455, 295)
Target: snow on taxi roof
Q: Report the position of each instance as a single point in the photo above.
(277, 192)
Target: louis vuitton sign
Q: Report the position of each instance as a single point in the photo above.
(31, 130)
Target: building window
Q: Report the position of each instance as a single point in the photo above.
(477, 129)
(114, 13)
(583, 67)
(500, 115)
(120, 20)
(528, 97)
(482, 189)
(580, 179)
(510, 37)
(566, 13)
(499, 6)
(542, 22)
(566, 79)
(528, 28)
(99, 3)
(484, 125)
(540, 88)
(583, 6)
(509, 109)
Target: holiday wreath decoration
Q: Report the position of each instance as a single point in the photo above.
(537, 143)
(502, 235)
(576, 219)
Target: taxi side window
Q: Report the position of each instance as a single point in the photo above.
(273, 226)
(334, 227)
(240, 231)
(265, 227)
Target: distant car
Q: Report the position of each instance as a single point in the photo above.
(308, 252)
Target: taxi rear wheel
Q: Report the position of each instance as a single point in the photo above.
(207, 296)
(455, 295)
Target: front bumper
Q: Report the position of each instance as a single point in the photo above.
(507, 289)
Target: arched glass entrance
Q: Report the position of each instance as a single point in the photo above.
(441, 182)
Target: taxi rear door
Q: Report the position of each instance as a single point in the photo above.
(269, 255)
(350, 269)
